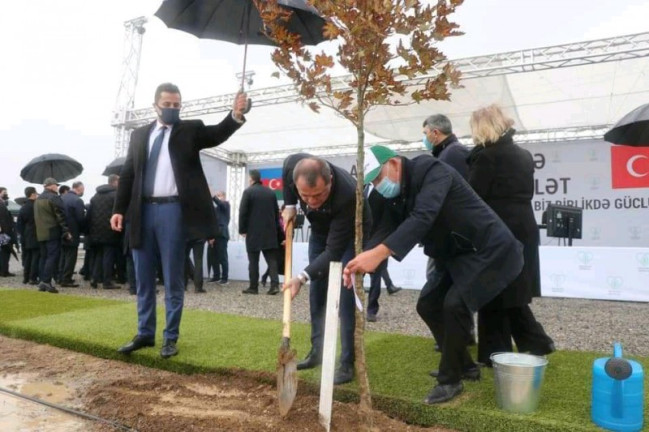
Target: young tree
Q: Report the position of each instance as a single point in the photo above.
(381, 44)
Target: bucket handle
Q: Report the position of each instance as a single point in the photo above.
(617, 350)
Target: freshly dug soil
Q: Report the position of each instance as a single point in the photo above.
(152, 400)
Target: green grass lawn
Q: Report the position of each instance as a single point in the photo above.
(398, 365)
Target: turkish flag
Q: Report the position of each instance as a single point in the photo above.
(629, 167)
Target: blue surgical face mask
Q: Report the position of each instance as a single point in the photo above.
(388, 189)
(169, 116)
(428, 144)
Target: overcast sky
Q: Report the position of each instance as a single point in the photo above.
(61, 65)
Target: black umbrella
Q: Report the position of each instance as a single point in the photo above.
(58, 166)
(115, 167)
(238, 21)
(632, 129)
(21, 201)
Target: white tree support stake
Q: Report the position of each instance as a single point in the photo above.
(329, 346)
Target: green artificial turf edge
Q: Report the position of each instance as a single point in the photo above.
(396, 362)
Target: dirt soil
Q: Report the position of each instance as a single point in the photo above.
(152, 400)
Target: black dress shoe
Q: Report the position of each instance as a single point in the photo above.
(344, 374)
(472, 374)
(214, 279)
(543, 350)
(111, 286)
(273, 290)
(93, 284)
(250, 291)
(371, 317)
(200, 290)
(137, 343)
(45, 287)
(444, 393)
(312, 360)
(168, 349)
(393, 289)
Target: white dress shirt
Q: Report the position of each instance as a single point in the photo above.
(165, 181)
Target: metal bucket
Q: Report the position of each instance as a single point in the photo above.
(518, 378)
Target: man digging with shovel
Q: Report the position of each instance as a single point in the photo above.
(327, 196)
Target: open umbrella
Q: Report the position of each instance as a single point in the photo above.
(115, 167)
(58, 166)
(632, 129)
(238, 21)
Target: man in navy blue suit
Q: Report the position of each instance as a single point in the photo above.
(163, 190)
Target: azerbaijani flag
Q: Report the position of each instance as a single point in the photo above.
(272, 178)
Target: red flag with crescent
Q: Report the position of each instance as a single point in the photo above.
(629, 167)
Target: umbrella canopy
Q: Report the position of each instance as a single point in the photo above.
(238, 21)
(632, 129)
(115, 167)
(58, 166)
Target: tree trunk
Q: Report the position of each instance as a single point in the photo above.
(365, 407)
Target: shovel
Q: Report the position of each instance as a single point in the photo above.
(286, 364)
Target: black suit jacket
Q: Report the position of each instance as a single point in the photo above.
(26, 226)
(334, 219)
(75, 215)
(188, 138)
(259, 218)
(439, 209)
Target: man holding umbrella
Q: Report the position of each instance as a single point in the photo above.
(163, 189)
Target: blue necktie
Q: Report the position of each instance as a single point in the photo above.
(152, 164)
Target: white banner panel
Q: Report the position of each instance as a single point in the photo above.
(573, 272)
(595, 273)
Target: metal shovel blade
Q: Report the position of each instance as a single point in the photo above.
(286, 377)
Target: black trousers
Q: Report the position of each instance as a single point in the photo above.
(31, 260)
(442, 308)
(50, 252)
(195, 270)
(217, 259)
(270, 255)
(69, 256)
(104, 263)
(5, 256)
(381, 272)
(497, 327)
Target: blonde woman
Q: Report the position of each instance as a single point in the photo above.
(502, 173)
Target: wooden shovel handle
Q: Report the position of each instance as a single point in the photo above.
(288, 270)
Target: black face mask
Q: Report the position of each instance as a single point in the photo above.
(169, 116)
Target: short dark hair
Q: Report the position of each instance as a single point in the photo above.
(29, 191)
(2, 189)
(63, 189)
(255, 175)
(310, 169)
(440, 122)
(165, 87)
(76, 184)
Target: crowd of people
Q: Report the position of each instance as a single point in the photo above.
(469, 209)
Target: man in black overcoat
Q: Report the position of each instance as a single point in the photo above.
(163, 188)
(430, 203)
(26, 228)
(258, 223)
(75, 215)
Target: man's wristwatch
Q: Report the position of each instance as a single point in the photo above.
(303, 278)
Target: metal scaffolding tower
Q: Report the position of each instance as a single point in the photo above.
(134, 30)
